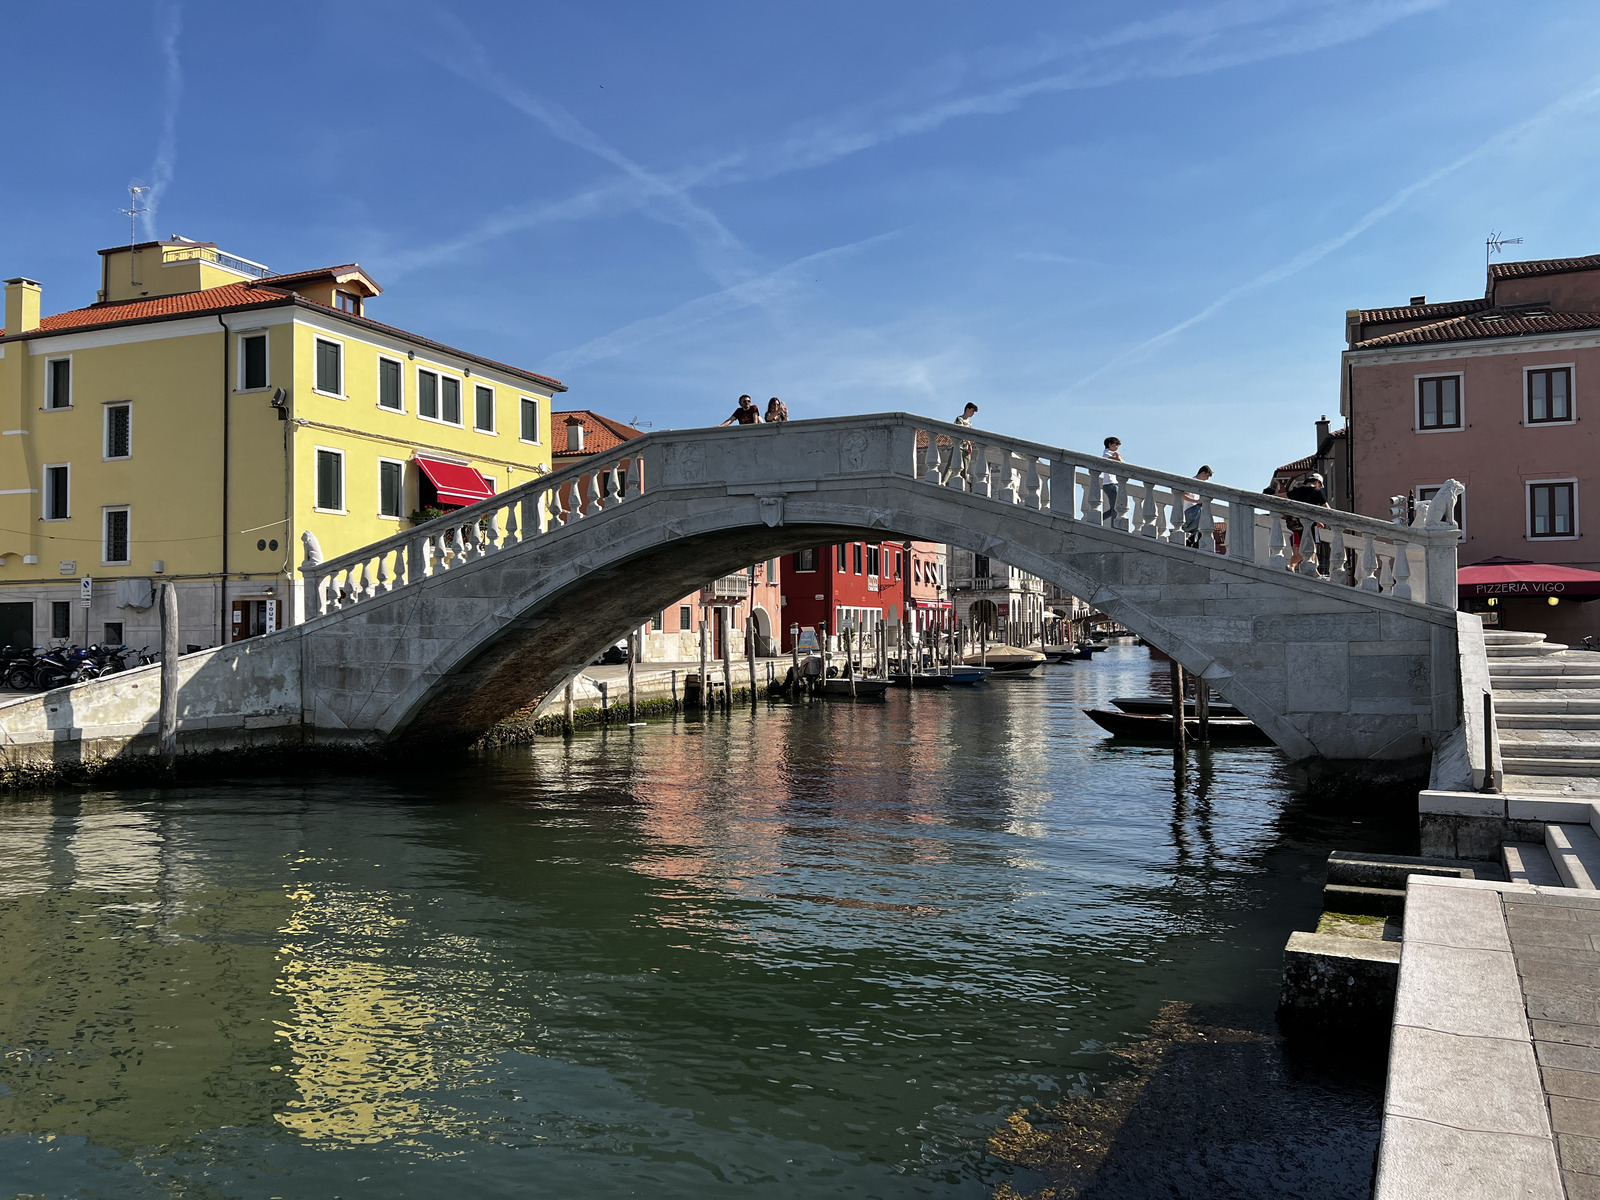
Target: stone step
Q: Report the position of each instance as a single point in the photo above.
(1582, 665)
(1525, 748)
(1560, 700)
(1511, 637)
(1518, 765)
(1529, 862)
(1547, 683)
(1536, 651)
(1369, 901)
(1575, 850)
(1546, 720)
(1392, 870)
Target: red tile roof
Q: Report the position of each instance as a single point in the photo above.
(600, 433)
(232, 297)
(1494, 323)
(1421, 312)
(1543, 266)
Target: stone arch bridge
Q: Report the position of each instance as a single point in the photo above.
(445, 629)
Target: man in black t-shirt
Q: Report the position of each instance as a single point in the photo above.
(746, 414)
(1308, 490)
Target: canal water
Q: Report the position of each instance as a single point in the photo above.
(819, 952)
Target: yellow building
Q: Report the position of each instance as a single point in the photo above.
(202, 415)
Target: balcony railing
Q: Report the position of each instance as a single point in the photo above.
(210, 254)
(728, 588)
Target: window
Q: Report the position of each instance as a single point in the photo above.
(113, 633)
(60, 618)
(1429, 491)
(772, 571)
(391, 487)
(391, 389)
(119, 430)
(899, 563)
(428, 395)
(980, 566)
(658, 622)
(252, 362)
(58, 383)
(347, 302)
(1550, 395)
(57, 492)
(1439, 402)
(483, 410)
(114, 548)
(685, 617)
(330, 480)
(530, 420)
(855, 557)
(330, 368)
(1552, 509)
(805, 560)
(839, 558)
(874, 560)
(450, 400)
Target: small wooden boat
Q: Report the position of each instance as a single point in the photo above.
(1161, 706)
(969, 676)
(865, 689)
(1009, 662)
(922, 679)
(1226, 730)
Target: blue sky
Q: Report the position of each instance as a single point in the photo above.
(1140, 219)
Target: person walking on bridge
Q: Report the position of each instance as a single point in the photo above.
(965, 419)
(746, 414)
(1112, 451)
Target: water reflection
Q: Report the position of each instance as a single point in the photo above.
(815, 954)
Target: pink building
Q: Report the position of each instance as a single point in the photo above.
(1502, 393)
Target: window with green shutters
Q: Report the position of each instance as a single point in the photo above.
(389, 393)
(450, 400)
(253, 361)
(428, 395)
(391, 487)
(483, 409)
(330, 480)
(530, 420)
(330, 368)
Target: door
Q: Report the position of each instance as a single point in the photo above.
(252, 618)
(16, 624)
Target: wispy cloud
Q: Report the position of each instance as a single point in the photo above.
(1186, 42)
(760, 290)
(169, 25)
(1314, 254)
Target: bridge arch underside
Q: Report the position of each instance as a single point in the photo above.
(1328, 673)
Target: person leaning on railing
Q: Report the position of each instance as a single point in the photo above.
(1307, 489)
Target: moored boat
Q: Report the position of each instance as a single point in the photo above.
(1161, 705)
(1235, 730)
(1009, 662)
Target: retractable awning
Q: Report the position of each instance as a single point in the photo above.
(456, 483)
(1526, 579)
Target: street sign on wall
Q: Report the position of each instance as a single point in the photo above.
(86, 590)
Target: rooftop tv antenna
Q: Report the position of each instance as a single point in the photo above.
(1494, 243)
(132, 212)
(638, 424)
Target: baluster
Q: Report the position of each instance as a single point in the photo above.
(319, 588)
(635, 478)
(513, 527)
(494, 535)
(1208, 527)
(1336, 573)
(1121, 521)
(552, 501)
(1007, 478)
(1402, 572)
(458, 548)
(340, 580)
(591, 507)
(1386, 573)
(1147, 509)
(385, 580)
(930, 460)
(1278, 557)
(1308, 549)
(980, 470)
(613, 486)
(1369, 563)
(1093, 495)
(358, 584)
(958, 466)
(1175, 531)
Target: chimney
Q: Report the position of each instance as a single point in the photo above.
(1323, 426)
(574, 434)
(22, 306)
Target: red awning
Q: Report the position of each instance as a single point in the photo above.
(456, 483)
(1526, 579)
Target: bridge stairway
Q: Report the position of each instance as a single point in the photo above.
(1547, 713)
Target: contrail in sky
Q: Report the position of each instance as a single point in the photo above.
(170, 25)
(1317, 253)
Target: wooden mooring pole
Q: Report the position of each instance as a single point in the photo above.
(633, 681)
(169, 675)
(750, 654)
(1202, 709)
(725, 625)
(566, 708)
(850, 663)
(1177, 705)
(703, 693)
(794, 660)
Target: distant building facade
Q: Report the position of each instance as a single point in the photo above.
(990, 596)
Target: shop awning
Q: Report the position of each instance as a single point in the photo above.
(456, 483)
(1511, 578)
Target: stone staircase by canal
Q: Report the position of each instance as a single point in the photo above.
(1547, 711)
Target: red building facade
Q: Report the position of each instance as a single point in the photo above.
(856, 585)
